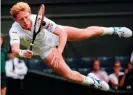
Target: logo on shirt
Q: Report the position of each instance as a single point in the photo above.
(14, 32)
(50, 27)
(14, 39)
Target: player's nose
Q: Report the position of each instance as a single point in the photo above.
(25, 20)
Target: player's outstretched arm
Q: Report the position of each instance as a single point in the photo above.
(62, 42)
(22, 53)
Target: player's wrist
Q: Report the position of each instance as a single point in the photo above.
(21, 53)
(60, 50)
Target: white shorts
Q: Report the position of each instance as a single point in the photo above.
(45, 54)
(47, 50)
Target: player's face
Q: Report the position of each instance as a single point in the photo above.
(23, 18)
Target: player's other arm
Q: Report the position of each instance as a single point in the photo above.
(14, 41)
(54, 28)
(15, 48)
(62, 38)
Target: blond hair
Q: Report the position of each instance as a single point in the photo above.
(20, 6)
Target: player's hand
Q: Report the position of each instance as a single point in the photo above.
(28, 54)
(56, 58)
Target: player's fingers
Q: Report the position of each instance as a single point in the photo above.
(56, 62)
(29, 52)
(54, 56)
(59, 63)
(27, 55)
(30, 56)
(53, 59)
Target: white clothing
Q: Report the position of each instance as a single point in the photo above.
(44, 42)
(102, 75)
(112, 77)
(19, 70)
(131, 58)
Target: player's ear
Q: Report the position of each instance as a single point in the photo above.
(14, 18)
(30, 12)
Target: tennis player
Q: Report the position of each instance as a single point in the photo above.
(51, 40)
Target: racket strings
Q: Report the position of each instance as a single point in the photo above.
(37, 24)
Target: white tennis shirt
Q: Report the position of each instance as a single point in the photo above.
(44, 40)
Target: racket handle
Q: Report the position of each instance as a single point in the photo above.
(31, 45)
(27, 61)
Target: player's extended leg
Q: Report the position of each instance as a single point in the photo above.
(74, 76)
(84, 33)
(92, 31)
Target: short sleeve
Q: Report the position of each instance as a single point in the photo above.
(49, 25)
(14, 36)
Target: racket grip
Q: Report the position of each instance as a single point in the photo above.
(31, 45)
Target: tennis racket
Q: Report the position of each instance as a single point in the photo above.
(37, 24)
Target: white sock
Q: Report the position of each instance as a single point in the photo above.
(88, 81)
(108, 30)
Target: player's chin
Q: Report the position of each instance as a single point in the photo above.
(27, 27)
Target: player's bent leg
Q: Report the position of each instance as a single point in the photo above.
(64, 70)
(74, 76)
